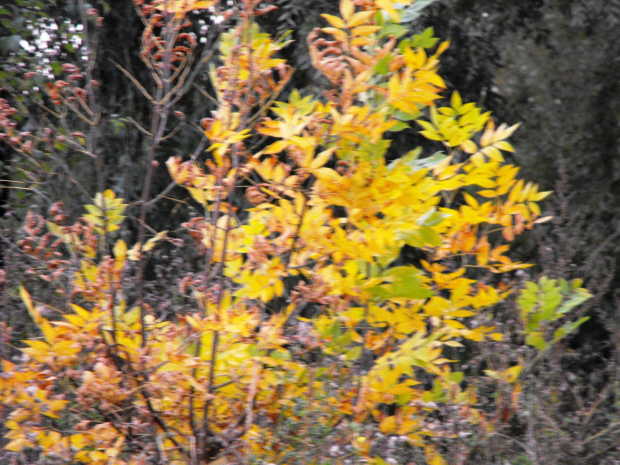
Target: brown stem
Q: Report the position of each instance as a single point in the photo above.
(158, 126)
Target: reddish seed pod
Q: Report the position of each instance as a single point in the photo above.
(265, 10)
(206, 123)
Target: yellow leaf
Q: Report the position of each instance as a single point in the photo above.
(337, 33)
(347, 9)
(512, 373)
(487, 135)
(78, 440)
(150, 244)
(471, 201)
(461, 313)
(82, 312)
(431, 135)
(134, 253)
(278, 287)
(442, 47)
(455, 324)
(506, 133)
(322, 158)
(362, 42)
(335, 21)
(361, 18)
(469, 146)
(493, 153)
(270, 131)
(203, 4)
(437, 460)
(98, 456)
(12, 424)
(38, 350)
(388, 425)
(327, 175)
(489, 194)
(25, 296)
(120, 250)
(387, 6)
(364, 30)
(18, 444)
(541, 195)
(114, 450)
(456, 102)
(516, 191)
(181, 7)
(505, 146)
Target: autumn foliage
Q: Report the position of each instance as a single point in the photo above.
(304, 299)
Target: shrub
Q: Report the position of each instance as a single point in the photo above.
(306, 331)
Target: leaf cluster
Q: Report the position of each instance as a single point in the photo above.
(298, 211)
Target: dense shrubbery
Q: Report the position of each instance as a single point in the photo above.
(300, 333)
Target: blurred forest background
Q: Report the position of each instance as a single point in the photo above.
(553, 65)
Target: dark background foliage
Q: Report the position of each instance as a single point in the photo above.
(553, 65)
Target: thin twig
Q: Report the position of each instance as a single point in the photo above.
(135, 82)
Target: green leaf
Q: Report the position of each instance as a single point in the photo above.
(422, 237)
(431, 218)
(559, 333)
(430, 236)
(335, 330)
(574, 301)
(409, 289)
(426, 39)
(93, 210)
(438, 390)
(406, 283)
(403, 282)
(353, 354)
(392, 29)
(535, 339)
(406, 116)
(383, 66)
(400, 126)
